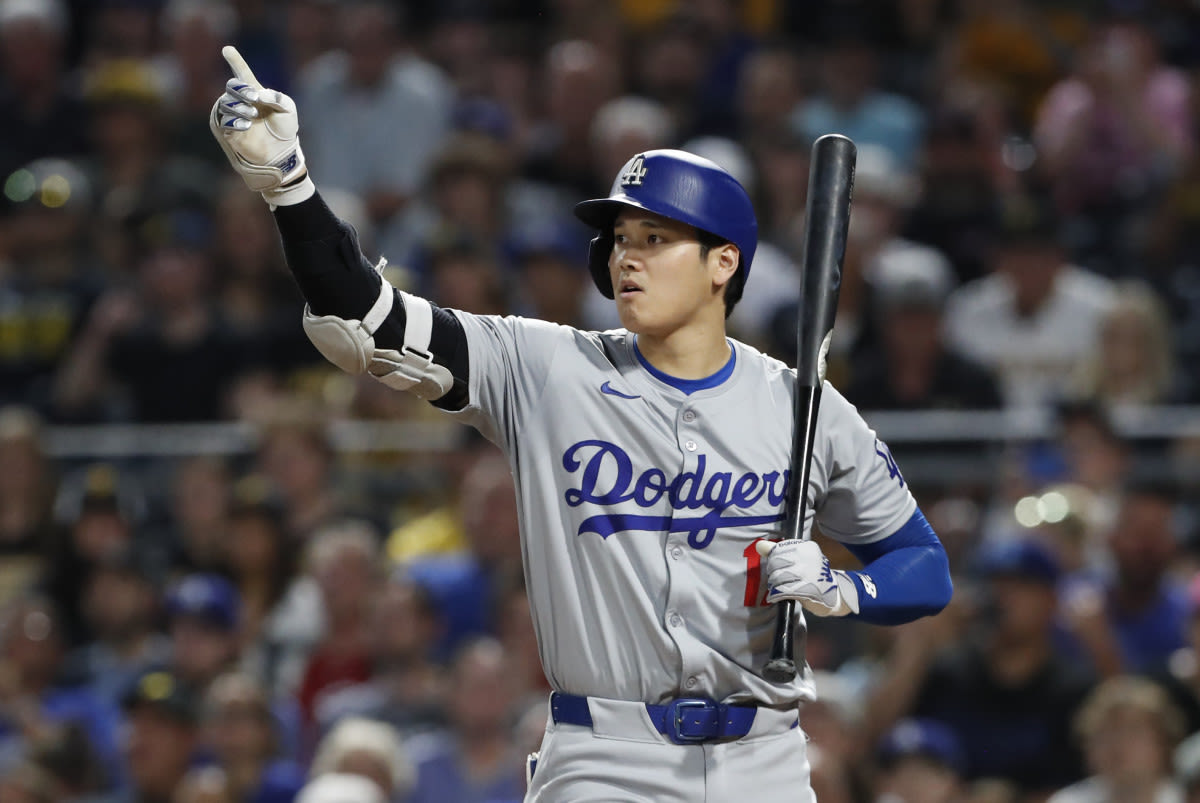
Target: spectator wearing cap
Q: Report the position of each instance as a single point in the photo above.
(1129, 731)
(1035, 316)
(1134, 617)
(162, 719)
(203, 615)
(1007, 677)
(42, 109)
(99, 510)
(120, 609)
(919, 761)
(914, 369)
(282, 617)
(132, 153)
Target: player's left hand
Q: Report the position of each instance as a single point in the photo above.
(799, 570)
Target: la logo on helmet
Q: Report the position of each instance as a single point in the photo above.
(637, 170)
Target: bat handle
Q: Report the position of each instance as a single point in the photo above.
(781, 668)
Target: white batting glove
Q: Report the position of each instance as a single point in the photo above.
(799, 570)
(257, 128)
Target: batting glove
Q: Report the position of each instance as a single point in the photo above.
(257, 128)
(799, 570)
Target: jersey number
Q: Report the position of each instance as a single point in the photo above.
(756, 591)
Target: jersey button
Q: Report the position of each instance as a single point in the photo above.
(674, 620)
(690, 446)
(689, 416)
(690, 683)
(676, 552)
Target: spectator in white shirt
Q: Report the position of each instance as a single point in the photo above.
(1035, 317)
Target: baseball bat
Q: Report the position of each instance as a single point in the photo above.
(826, 219)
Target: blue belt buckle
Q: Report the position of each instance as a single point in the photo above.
(674, 721)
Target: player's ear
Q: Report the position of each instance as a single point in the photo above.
(727, 257)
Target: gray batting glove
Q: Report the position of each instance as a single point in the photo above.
(257, 128)
(799, 570)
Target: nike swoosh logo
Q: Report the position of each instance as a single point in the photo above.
(611, 391)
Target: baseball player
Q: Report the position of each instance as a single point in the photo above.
(650, 463)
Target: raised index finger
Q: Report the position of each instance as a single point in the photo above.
(239, 66)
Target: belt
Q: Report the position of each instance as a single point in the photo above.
(686, 720)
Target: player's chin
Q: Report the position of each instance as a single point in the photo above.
(634, 319)
(629, 314)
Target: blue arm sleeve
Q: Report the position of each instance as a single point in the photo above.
(905, 576)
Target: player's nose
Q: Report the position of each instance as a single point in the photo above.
(627, 257)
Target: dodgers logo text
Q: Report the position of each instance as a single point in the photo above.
(702, 501)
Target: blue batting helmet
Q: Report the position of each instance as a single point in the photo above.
(678, 185)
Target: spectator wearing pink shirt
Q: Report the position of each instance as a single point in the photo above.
(1110, 136)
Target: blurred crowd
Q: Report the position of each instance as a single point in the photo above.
(300, 621)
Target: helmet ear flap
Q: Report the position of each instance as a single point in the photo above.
(598, 252)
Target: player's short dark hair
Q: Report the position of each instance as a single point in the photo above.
(736, 284)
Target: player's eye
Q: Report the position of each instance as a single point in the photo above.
(619, 238)
(653, 238)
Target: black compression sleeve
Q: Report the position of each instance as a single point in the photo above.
(324, 256)
(336, 278)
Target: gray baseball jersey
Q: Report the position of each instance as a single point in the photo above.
(640, 505)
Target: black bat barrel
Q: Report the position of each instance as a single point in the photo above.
(826, 221)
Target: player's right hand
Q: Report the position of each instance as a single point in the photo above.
(258, 130)
(800, 571)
